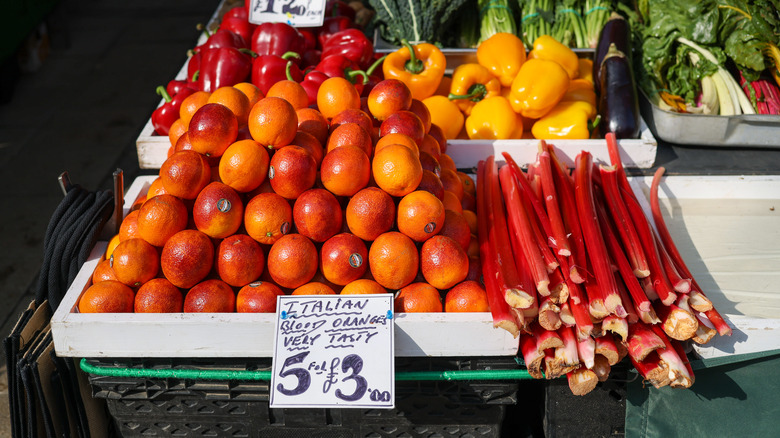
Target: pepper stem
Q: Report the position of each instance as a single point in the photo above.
(287, 70)
(288, 55)
(248, 52)
(352, 74)
(413, 65)
(164, 93)
(476, 93)
(375, 65)
(593, 125)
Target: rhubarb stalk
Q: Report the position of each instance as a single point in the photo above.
(522, 224)
(594, 241)
(582, 381)
(549, 314)
(680, 371)
(606, 346)
(502, 317)
(533, 357)
(642, 341)
(560, 240)
(677, 322)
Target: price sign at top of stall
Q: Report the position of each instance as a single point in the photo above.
(333, 351)
(297, 13)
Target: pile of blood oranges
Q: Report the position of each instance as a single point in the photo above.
(262, 196)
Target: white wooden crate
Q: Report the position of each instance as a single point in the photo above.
(244, 335)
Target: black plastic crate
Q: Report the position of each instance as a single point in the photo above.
(144, 407)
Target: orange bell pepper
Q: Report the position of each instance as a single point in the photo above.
(586, 69)
(494, 119)
(567, 120)
(547, 47)
(420, 67)
(471, 83)
(538, 87)
(503, 54)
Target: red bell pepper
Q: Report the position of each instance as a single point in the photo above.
(225, 66)
(176, 85)
(311, 83)
(237, 12)
(331, 25)
(193, 65)
(270, 69)
(277, 39)
(223, 38)
(353, 44)
(167, 113)
(239, 26)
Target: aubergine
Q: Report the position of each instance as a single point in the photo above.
(616, 30)
(618, 102)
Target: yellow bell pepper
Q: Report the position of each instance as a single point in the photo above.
(581, 89)
(586, 69)
(538, 87)
(494, 119)
(568, 120)
(547, 47)
(471, 83)
(445, 114)
(503, 54)
(420, 67)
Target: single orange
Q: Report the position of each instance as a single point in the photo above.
(335, 95)
(475, 269)
(290, 91)
(370, 213)
(292, 261)
(420, 215)
(112, 243)
(187, 258)
(446, 162)
(345, 170)
(436, 132)
(292, 171)
(422, 112)
(343, 258)
(267, 217)
(235, 100)
(213, 128)
(129, 226)
(210, 296)
(451, 202)
(352, 115)
(109, 296)
(159, 295)
(239, 260)
(317, 214)
(218, 211)
(363, 286)
(244, 165)
(314, 288)
(431, 183)
(468, 184)
(452, 182)
(404, 122)
(138, 202)
(444, 262)
(471, 219)
(156, 188)
(177, 129)
(184, 174)
(430, 145)
(418, 298)
(457, 227)
(191, 104)
(397, 170)
(312, 121)
(251, 91)
(311, 144)
(393, 260)
(428, 162)
(350, 134)
(468, 202)
(468, 296)
(273, 122)
(473, 250)
(258, 297)
(135, 261)
(103, 271)
(387, 97)
(396, 138)
(161, 217)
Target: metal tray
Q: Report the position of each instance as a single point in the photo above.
(751, 130)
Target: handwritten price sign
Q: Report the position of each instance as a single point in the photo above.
(298, 13)
(334, 351)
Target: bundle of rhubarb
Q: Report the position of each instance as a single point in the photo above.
(574, 267)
